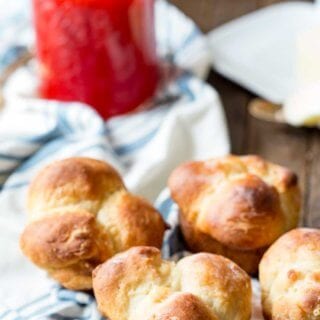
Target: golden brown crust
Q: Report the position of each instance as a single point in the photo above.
(133, 223)
(72, 181)
(58, 241)
(74, 275)
(201, 242)
(245, 214)
(289, 275)
(242, 203)
(138, 284)
(80, 214)
(183, 306)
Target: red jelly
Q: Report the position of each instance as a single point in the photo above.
(101, 52)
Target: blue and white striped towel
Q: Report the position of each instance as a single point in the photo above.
(144, 147)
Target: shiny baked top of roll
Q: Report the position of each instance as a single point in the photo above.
(138, 284)
(79, 215)
(289, 274)
(244, 202)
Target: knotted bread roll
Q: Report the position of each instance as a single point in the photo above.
(235, 206)
(290, 277)
(79, 215)
(138, 284)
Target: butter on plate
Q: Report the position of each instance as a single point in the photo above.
(302, 108)
(308, 55)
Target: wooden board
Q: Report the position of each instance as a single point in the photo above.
(298, 149)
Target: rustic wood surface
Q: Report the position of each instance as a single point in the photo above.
(298, 149)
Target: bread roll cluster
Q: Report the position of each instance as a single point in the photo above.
(290, 277)
(79, 215)
(88, 231)
(235, 206)
(138, 284)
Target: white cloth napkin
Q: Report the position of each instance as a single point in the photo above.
(144, 147)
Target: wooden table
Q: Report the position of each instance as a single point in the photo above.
(298, 149)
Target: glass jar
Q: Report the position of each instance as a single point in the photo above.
(101, 52)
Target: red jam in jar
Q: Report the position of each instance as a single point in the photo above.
(101, 52)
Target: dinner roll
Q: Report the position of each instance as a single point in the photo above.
(138, 284)
(79, 215)
(290, 277)
(235, 206)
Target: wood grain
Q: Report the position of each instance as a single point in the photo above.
(212, 13)
(312, 196)
(234, 99)
(298, 149)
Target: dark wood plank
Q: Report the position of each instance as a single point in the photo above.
(312, 195)
(212, 13)
(234, 99)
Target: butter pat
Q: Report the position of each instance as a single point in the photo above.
(303, 107)
(308, 56)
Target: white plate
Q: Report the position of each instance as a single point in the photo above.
(258, 50)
